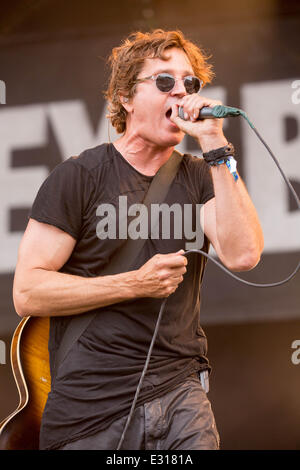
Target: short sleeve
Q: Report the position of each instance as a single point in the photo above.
(206, 187)
(63, 197)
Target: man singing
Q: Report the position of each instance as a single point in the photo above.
(61, 258)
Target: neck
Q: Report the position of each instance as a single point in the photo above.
(144, 156)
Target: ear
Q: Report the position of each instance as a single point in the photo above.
(126, 103)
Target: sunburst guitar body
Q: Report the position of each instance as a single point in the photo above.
(30, 365)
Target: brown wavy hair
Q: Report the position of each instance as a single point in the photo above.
(127, 61)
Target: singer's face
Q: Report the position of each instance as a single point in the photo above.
(150, 108)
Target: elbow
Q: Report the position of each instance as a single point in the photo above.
(21, 303)
(245, 258)
(245, 262)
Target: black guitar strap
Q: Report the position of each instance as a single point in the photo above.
(123, 260)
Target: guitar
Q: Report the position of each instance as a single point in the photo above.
(30, 365)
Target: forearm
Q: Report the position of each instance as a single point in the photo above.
(51, 293)
(238, 228)
(239, 233)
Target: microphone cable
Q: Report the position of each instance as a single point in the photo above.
(219, 111)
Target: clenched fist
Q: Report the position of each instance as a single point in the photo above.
(161, 275)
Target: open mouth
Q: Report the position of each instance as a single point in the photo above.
(171, 123)
(168, 113)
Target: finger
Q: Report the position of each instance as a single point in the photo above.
(193, 103)
(180, 271)
(183, 124)
(175, 261)
(178, 279)
(175, 253)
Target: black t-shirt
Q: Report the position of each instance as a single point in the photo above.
(96, 383)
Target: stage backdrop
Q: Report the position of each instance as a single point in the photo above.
(52, 107)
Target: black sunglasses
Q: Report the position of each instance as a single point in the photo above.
(166, 82)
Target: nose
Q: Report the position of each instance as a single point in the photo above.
(179, 88)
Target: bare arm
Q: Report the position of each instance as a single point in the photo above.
(40, 290)
(231, 223)
(230, 219)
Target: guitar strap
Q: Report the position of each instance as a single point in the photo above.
(123, 260)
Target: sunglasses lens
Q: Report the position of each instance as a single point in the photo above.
(165, 82)
(192, 84)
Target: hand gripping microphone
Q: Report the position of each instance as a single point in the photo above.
(218, 111)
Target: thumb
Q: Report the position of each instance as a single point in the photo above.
(181, 123)
(175, 113)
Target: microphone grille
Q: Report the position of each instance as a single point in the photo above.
(181, 112)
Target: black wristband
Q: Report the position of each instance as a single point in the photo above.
(217, 154)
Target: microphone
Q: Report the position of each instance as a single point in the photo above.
(204, 113)
(219, 111)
